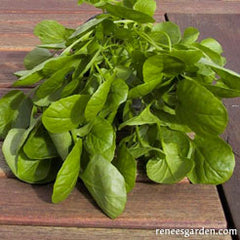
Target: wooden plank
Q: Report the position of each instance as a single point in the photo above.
(149, 206)
(9, 232)
(225, 28)
(70, 6)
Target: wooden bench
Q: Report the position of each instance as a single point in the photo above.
(26, 211)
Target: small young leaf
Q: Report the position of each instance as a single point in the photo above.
(190, 35)
(146, 6)
(127, 13)
(50, 31)
(98, 99)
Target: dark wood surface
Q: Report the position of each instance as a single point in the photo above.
(149, 206)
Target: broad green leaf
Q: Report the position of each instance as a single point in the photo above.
(106, 185)
(146, 6)
(54, 82)
(189, 57)
(35, 57)
(9, 112)
(142, 90)
(39, 145)
(211, 54)
(97, 100)
(199, 109)
(58, 63)
(161, 64)
(145, 117)
(229, 77)
(88, 26)
(222, 91)
(170, 121)
(65, 114)
(68, 174)
(10, 148)
(176, 164)
(212, 44)
(50, 31)
(127, 166)
(128, 13)
(34, 171)
(214, 161)
(190, 35)
(62, 142)
(171, 29)
(101, 139)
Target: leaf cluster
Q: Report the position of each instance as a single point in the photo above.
(119, 80)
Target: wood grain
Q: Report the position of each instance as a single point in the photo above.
(70, 6)
(12, 232)
(149, 206)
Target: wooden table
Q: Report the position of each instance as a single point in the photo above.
(26, 211)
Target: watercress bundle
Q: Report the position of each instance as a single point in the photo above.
(117, 90)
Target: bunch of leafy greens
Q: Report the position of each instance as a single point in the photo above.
(119, 78)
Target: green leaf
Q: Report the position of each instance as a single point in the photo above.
(127, 166)
(106, 185)
(199, 109)
(101, 139)
(142, 90)
(65, 114)
(117, 95)
(68, 174)
(38, 171)
(161, 64)
(146, 6)
(10, 148)
(145, 117)
(35, 57)
(50, 31)
(229, 77)
(211, 54)
(62, 142)
(212, 44)
(127, 13)
(54, 82)
(9, 110)
(171, 29)
(190, 35)
(189, 56)
(214, 161)
(39, 145)
(97, 100)
(88, 26)
(176, 164)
